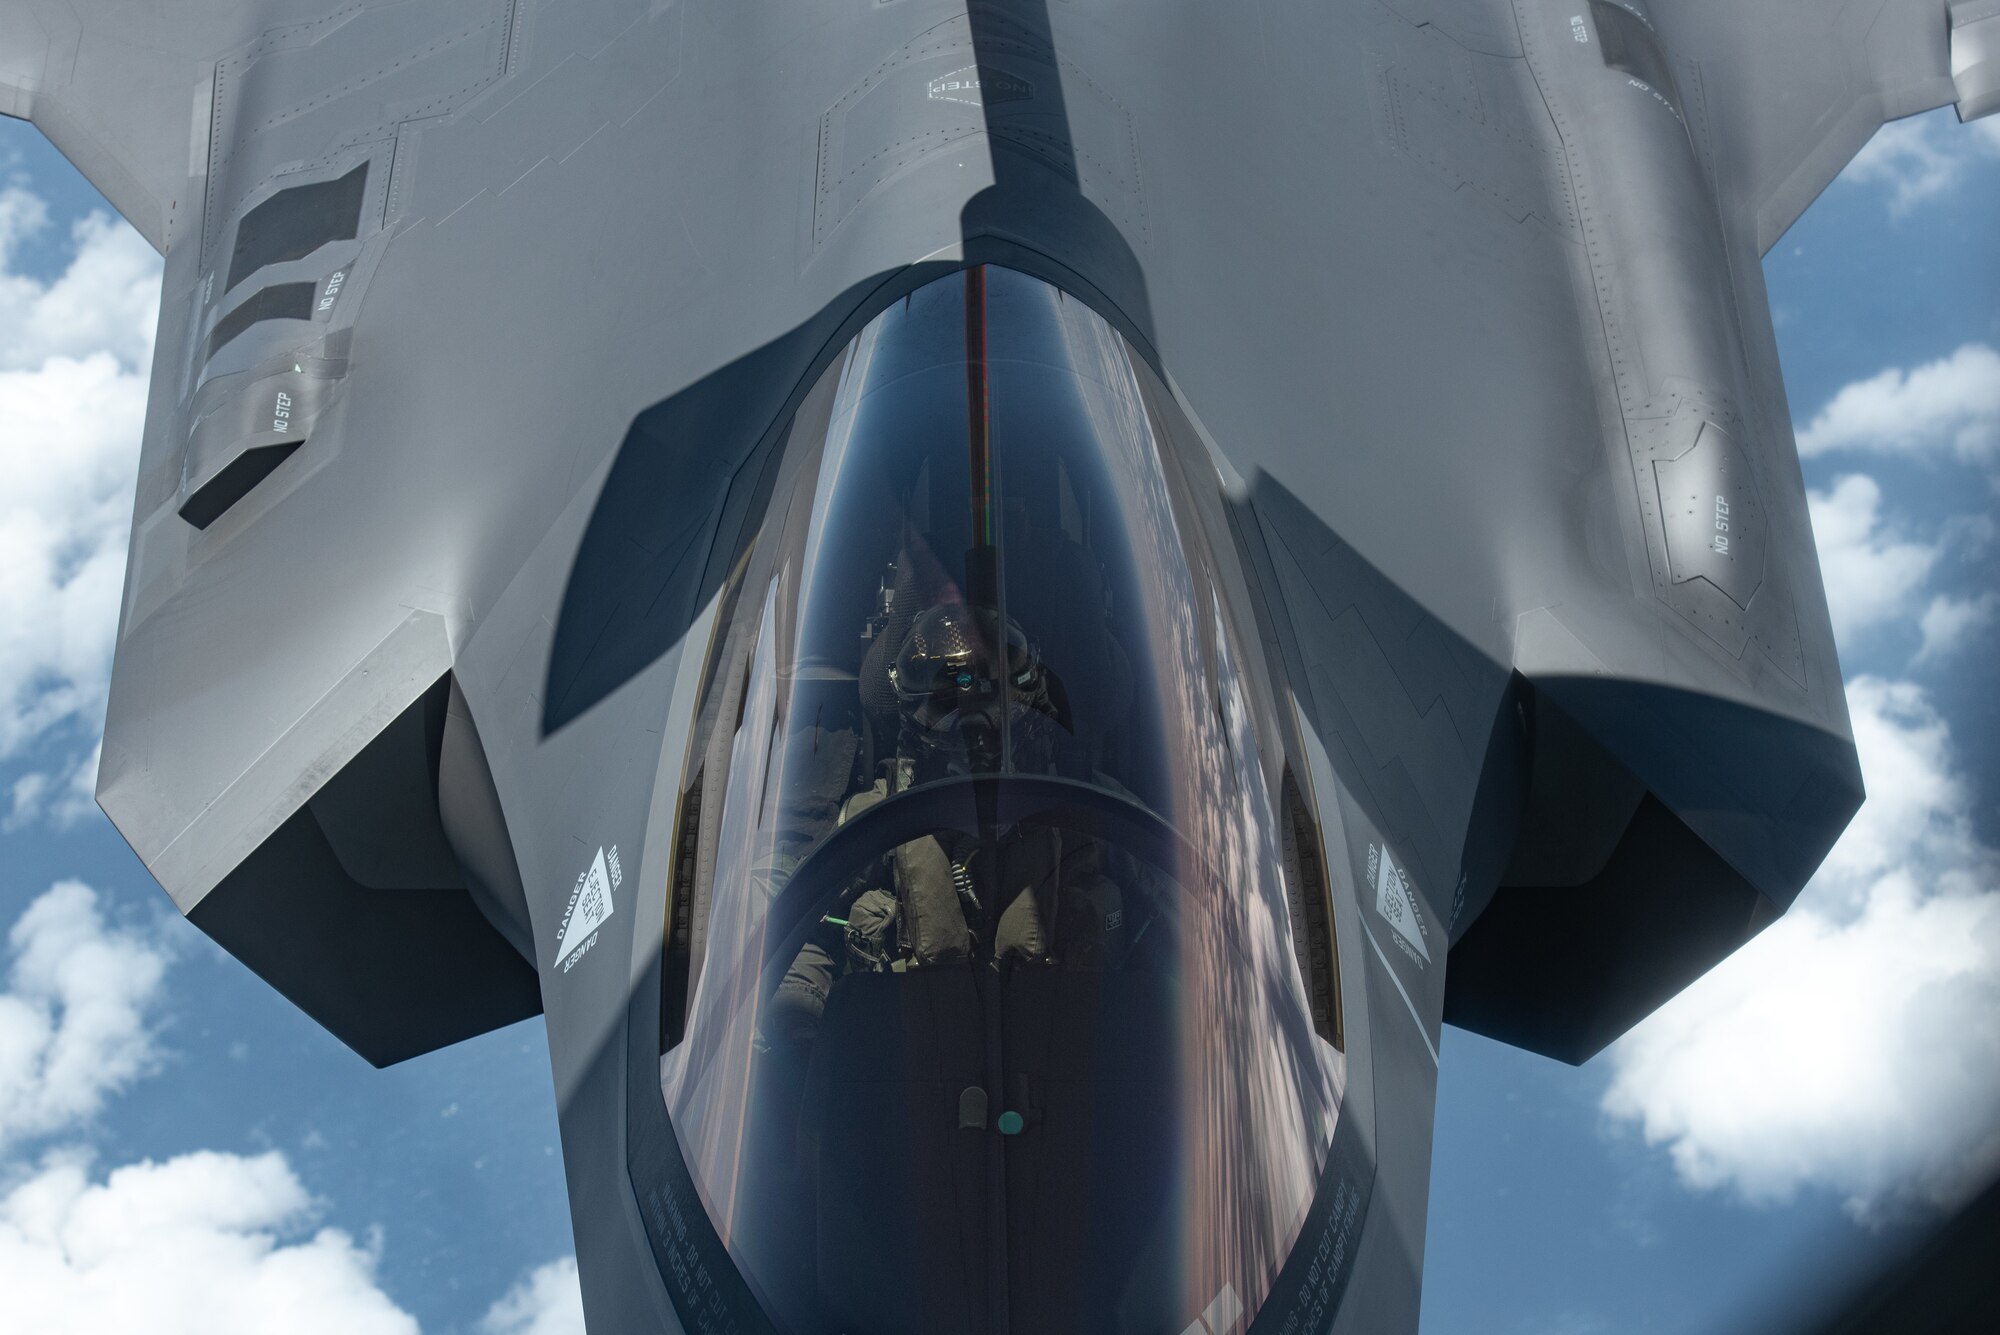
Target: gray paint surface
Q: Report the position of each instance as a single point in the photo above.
(1458, 307)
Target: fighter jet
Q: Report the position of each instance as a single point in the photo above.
(996, 609)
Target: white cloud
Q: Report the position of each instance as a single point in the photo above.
(1855, 1045)
(1951, 405)
(74, 359)
(1917, 816)
(1871, 572)
(546, 1301)
(106, 300)
(1949, 621)
(64, 797)
(193, 1246)
(202, 1244)
(1923, 157)
(73, 1020)
(1875, 574)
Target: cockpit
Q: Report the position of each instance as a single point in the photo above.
(987, 1010)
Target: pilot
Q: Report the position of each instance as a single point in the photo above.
(957, 716)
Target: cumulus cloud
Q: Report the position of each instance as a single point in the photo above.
(1855, 1045)
(63, 797)
(74, 1018)
(1948, 406)
(1923, 157)
(219, 1244)
(547, 1301)
(74, 355)
(106, 300)
(203, 1244)
(1871, 571)
(1949, 621)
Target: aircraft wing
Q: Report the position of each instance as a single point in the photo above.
(124, 90)
(224, 761)
(1793, 91)
(474, 384)
(186, 114)
(1464, 473)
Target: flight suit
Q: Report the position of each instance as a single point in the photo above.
(1061, 907)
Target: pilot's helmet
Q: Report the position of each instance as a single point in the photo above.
(948, 679)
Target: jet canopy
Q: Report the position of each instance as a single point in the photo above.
(991, 1015)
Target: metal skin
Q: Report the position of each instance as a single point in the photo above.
(1454, 309)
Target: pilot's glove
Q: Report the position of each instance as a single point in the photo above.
(871, 930)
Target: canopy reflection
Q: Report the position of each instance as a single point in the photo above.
(996, 1023)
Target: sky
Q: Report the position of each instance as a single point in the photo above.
(182, 1151)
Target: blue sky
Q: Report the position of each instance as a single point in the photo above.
(1800, 1111)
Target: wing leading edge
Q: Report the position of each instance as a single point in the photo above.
(1794, 91)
